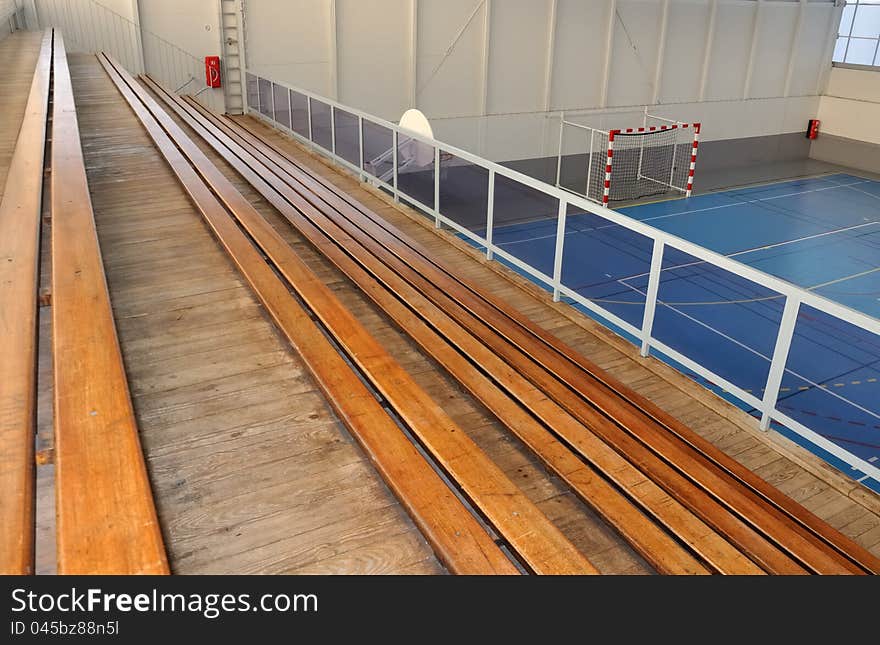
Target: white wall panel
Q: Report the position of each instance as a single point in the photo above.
(373, 56)
(634, 52)
(518, 55)
(852, 106)
(775, 36)
(192, 26)
(580, 53)
(730, 50)
(809, 59)
(289, 40)
(449, 76)
(683, 57)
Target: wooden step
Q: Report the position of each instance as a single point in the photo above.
(107, 521)
(20, 211)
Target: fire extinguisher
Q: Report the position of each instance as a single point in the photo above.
(212, 71)
(813, 128)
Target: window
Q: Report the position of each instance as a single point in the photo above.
(858, 38)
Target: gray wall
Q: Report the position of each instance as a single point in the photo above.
(714, 160)
(861, 155)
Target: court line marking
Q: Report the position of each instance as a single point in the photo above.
(739, 301)
(821, 176)
(757, 353)
(752, 201)
(864, 192)
(763, 248)
(698, 210)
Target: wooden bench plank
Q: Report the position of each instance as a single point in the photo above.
(649, 410)
(695, 533)
(781, 517)
(20, 210)
(535, 539)
(107, 521)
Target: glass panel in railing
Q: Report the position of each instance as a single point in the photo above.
(606, 263)
(415, 170)
(832, 384)
(282, 107)
(524, 223)
(321, 133)
(464, 192)
(253, 91)
(347, 136)
(265, 89)
(378, 151)
(299, 106)
(725, 323)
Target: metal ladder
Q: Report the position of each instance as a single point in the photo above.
(232, 62)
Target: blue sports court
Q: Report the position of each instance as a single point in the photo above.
(820, 233)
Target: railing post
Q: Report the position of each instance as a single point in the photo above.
(559, 148)
(437, 187)
(259, 99)
(590, 163)
(560, 244)
(780, 357)
(651, 296)
(490, 214)
(272, 96)
(394, 164)
(289, 108)
(363, 175)
(309, 114)
(245, 103)
(333, 130)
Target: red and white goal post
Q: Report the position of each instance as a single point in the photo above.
(623, 164)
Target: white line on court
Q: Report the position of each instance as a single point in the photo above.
(764, 248)
(752, 201)
(757, 353)
(843, 279)
(697, 210)
(864, 192)
(741, 301)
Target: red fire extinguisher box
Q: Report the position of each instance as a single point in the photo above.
(212, 71)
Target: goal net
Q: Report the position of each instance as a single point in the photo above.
(621, 164)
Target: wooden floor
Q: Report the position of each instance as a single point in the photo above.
(251, 471)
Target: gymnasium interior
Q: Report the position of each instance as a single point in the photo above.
(440, 287)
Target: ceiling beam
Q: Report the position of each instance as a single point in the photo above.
(551, 52)
(661, 51)
(333, 66)
(609, 45)
(747, 85)
(707, 48)
(413, 52)
(487, 40)
(830, 39)
(795, 43)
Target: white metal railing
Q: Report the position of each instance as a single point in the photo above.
(89, 26)
(262, 104)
